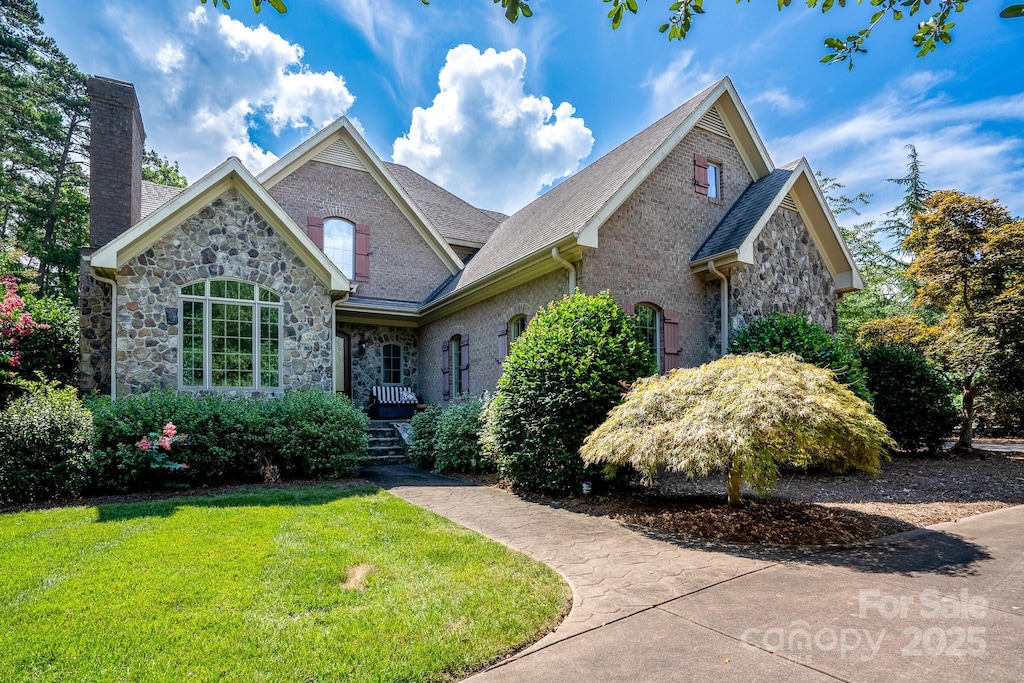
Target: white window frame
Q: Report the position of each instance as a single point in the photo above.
(714, 183)
(516, 321)
(347, 268)
(207, 301)
(383, 369)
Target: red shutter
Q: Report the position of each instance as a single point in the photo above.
(700, 174)
(315, 230)
(362, 253)
(502, 341)
(630, 309)
(670, 333)
(446, 378)
(464, 370)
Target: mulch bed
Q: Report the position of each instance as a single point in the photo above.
(813, 509)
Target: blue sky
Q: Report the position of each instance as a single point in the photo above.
(497, 112)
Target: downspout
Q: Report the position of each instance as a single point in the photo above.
(724, 296)
(568, 266)
(113, 332)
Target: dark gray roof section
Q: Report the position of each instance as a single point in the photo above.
(383, 303)
(154, 196)
(446, 287)
(456, 220)
(734, 227)
(568, 206)
(498, 216)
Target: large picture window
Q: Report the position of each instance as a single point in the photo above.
(340, 244)
(230, 336)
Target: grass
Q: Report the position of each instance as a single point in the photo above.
(261, 585)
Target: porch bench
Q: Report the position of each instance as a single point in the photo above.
(392, 403)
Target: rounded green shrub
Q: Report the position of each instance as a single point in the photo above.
(560, 379)
(45, 439)
(795, 334)
(911, 397)
(457, 440)
(745, 415)
(423, 449)
(313, 434)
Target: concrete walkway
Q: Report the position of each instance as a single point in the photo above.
(938, 604)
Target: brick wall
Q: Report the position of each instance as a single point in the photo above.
(480, 322)
(645, 247)
(402, 264)
(115, 159)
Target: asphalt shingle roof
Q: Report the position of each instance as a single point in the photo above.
(568, 206)
(154, 196)
(734, 227)
(454, 218)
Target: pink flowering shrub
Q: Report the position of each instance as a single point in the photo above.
(15, 323)
(157, 445)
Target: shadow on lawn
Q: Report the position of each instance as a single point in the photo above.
(240, 496)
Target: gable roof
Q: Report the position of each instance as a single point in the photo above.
(109, 258)
(458, 221)
(577, 207)
(741, 218)
(341, 143)
(732, 240)
(155, 195)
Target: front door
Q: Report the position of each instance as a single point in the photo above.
(342, 364)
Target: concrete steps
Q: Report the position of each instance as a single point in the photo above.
(385, 446)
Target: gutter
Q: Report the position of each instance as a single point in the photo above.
(724, 308)
(113, 331)
(568, 266)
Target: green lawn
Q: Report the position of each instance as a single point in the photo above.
(250, 586)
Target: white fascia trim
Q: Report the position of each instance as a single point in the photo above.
(232, 173)
(344, 129)
(756, 159)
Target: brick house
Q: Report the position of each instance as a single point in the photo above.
(336, 270)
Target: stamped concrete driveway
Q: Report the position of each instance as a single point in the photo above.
(938, 604)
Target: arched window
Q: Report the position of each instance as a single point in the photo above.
(516, 326)
(647, 321)
(230, 336)
(391, 365)
(455, 363)
(340, 244)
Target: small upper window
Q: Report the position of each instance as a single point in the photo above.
(714, 178)
(391, 364)
(647, 322)
(516, 327)
(340, 244)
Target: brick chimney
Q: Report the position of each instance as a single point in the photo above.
(115, 159)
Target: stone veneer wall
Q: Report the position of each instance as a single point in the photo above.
(480, 321)
(645, 246)
(367, 365)
(227, 238)
(788, 275)
(402, 264)
(93, 333)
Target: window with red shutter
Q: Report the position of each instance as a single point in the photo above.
(670, 333)
(502, 341)
(362, 253)
(315, 230)
(700, 174)
(446, 381)
(464, 364)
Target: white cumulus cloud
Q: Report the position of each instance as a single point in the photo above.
(485, 139)
(211, 87)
